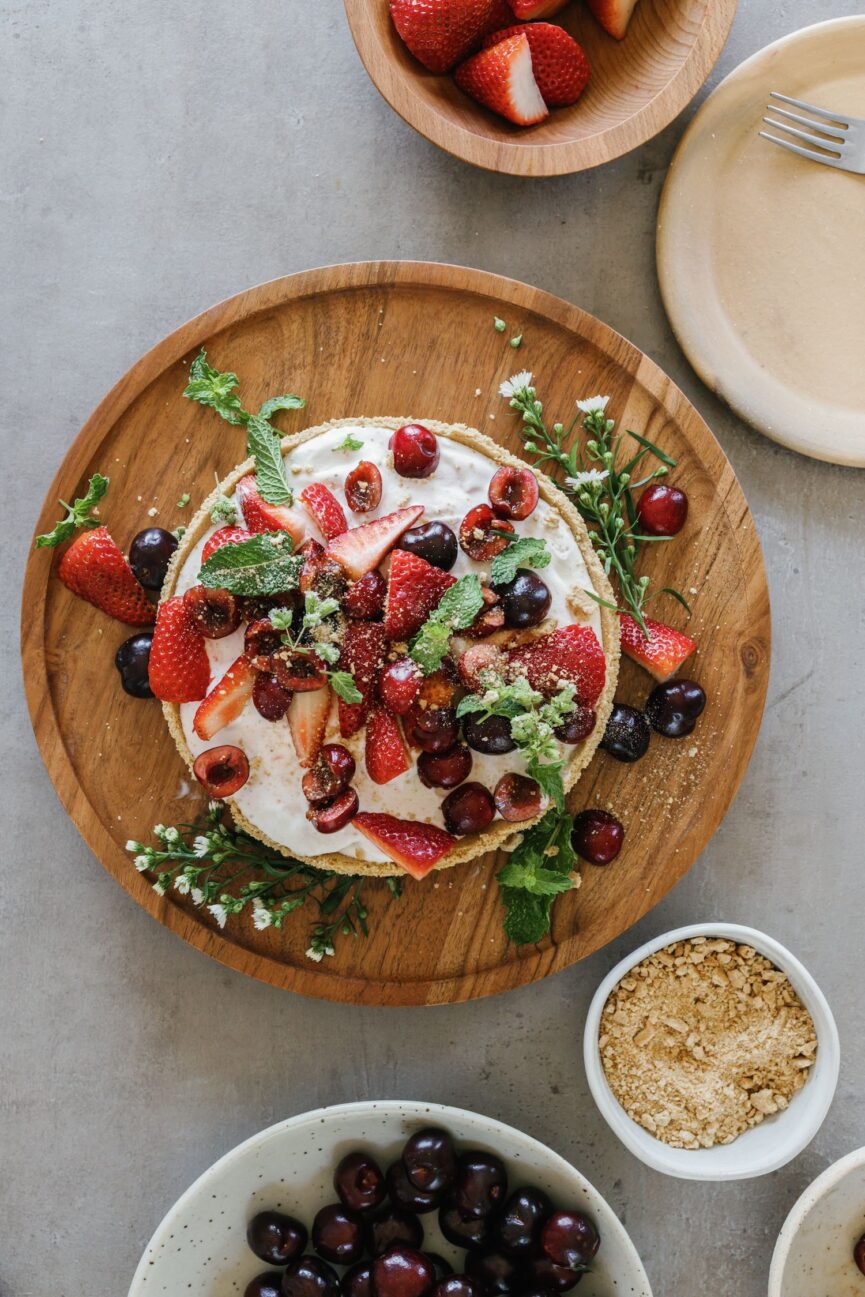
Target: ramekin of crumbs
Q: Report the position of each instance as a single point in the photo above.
(712, 1053)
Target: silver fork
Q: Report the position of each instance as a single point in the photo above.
(841, 142)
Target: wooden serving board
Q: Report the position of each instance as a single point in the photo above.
(412, 339)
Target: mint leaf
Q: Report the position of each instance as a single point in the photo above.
(224, 511)
(527, 917)
(458, 608)
(78, 514)
(351, 443)
(528, 551)
(344, 686)
(209, 387)
(536, 872)
(263, 565)
(263, 444)
(287, 402)
(549, 776)
(538, 880)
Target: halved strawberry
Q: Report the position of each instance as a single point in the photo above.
(226, 700)
(261, 516)
(325, 510)
(502, 79)
(441, 32)
(416, 847)
(224, 536)
(662, 653)
(179, 669)
(560, 65)
(384, 748)
(362, 655)
(308, 714)
(569, 655)
(94, 568)
(613, 15)
(362, 548)
(414, 589)
(536, 8)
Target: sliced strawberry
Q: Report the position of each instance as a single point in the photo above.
(441, 32)
(362, 655)
(414, 589)
(560, 66)
(94, 568)
(261, 516)
(226, 700)
(502, 79)
(224, 536)
(569, 655)
(613, 15)
(325, 510)
(415, 846)
(179, 669)
(308, 714)
(385, 751)
(536, 8)
(362, 548)
(662, 653)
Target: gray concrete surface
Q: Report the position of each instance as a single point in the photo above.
(155, 158)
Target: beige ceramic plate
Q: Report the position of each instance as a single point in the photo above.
(761, 255)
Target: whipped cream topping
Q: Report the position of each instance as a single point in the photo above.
(272, 798)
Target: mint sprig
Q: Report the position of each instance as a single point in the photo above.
(527, 551)
(264, 447)
(315, 618)
(536, 873)
(458, 608)
(262, 565)
(81, 513)
(349, 443)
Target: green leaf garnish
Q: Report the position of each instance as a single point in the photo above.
(224, 511)
(537, 871)
(344, 686)
(78, 514)
(349, 443)
(217, 390)
(528, 551)
(458, 608)
(287, 402)
(263, 444)
(262, 565)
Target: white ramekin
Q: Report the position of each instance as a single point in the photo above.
(814, 1252)
(776, 1140)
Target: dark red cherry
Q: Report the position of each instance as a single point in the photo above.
(526, 600)
(149, 556)
(269, 698)
(434, 730)
(464, 1231)
(627, 734)
(215, 613)
(491, 736)
(481, 533)
(578, 726)
(513, 492)
(517, 797)
(662, 510)
(518, 1229)
(392, 1226)
(399, 685)
(482, 1181)
(261, 640)
(265, 1285)
(496, 1272)
(337, 1234)
(441, 1267)
(364, 599)
(457, 1285)
(468, 809)
(597, 836)
(402, 1272)
(132, 660)
(569, 1239)
(445, 769)
(859, 1254)
(415, 451)
(275, 1237)
(434, 541)
(430, 1159)
(403, 1193)
(542, 1275)
(222, 771)
(363, 487)
(310, 1277)
(675, 707)
(359, 1182)
(357, 1282)
(334, 815)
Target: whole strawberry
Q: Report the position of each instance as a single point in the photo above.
(441, 32)
(94, 568)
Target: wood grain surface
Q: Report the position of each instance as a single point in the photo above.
(637, 87)
(374, 339)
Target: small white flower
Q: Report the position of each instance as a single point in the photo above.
(317, 955)
(197, 896)
(141, 863)
(587, 478)
(219, 913)
(261, 916)
(593, 404)
(181, 884)
(132, 845)
(214, 806)
(159, 830)
(172, 837)
(201, 846)
(158, 888)
(521, 382)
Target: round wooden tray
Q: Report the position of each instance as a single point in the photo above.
(637, 87)
(413, 339)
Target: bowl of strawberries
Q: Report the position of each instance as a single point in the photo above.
(539, 87)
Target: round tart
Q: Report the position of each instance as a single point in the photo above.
(271, 804)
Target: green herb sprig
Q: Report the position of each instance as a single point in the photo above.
(81, 513)
(262, 565)
(315, 615)
(457, 609)
(538, 870)
(228, 872)
(601, 480)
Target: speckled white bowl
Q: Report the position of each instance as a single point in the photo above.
(814, 1253)
(766, 1147)
(200, 1247)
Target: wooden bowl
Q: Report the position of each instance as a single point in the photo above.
(637, 87)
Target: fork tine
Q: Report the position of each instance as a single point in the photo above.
(803, 153)
(808, 108)
(830, 145)
(834, 131)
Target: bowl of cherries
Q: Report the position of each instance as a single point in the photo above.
(391, 1200)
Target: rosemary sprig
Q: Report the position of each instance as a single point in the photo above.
(227, 872)
(600, 482)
